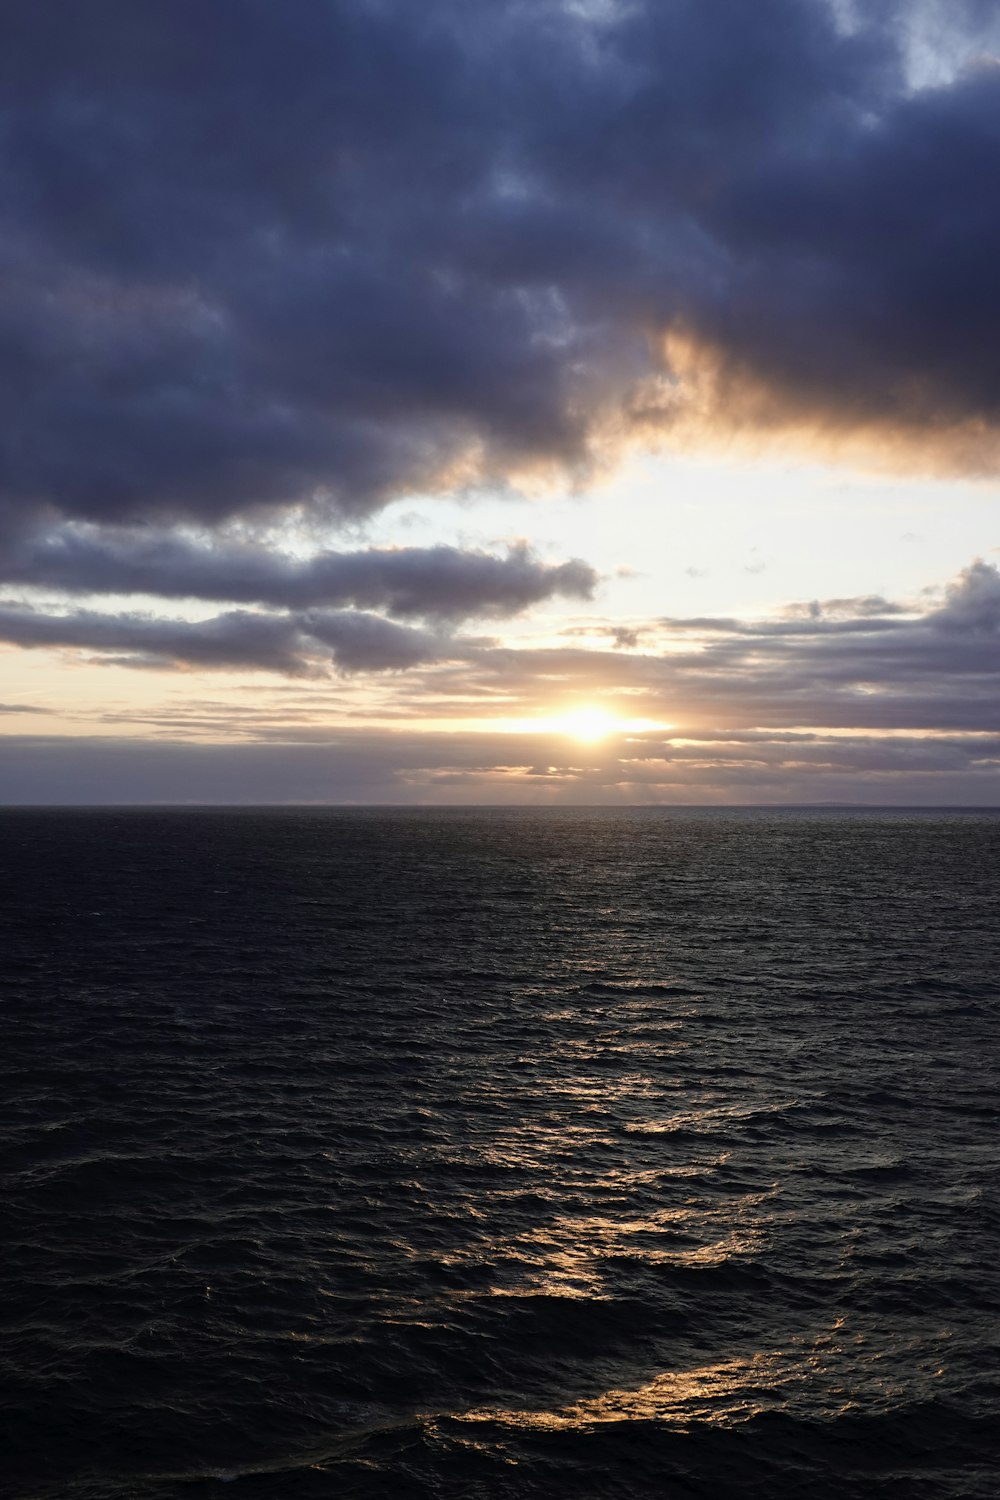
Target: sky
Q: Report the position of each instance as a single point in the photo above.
(500, 401)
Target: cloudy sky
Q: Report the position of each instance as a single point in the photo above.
(500, 401)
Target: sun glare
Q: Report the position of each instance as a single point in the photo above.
(589, 724)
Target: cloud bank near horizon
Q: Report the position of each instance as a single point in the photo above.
(850, 700)
(865, 664)
(358, 767)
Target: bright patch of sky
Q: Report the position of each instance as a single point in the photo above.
(686, 536)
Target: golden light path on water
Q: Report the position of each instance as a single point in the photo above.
(731, 1390)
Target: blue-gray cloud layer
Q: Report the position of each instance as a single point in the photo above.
(406, 767)
(325, 252)
(858, 664)
(792, 709)
(846, 664)
(437, 583)
(294, 645)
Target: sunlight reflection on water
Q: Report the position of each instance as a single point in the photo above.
(396, 1163)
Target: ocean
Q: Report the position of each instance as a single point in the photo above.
(500, 1153)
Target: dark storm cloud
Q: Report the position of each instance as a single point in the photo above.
(443, 583)
(328, 252)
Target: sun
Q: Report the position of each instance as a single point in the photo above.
(588, 724)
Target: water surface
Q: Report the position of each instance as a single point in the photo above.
(500, 1153)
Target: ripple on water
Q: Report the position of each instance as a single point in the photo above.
(565, 1153)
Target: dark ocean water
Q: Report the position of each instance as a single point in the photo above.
(460, 1154)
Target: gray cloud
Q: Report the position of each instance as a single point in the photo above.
(860, 665)
(836, 703)
(839, 665)
(442, 583)
(328, 253)
(239, 640)
(308, 258)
